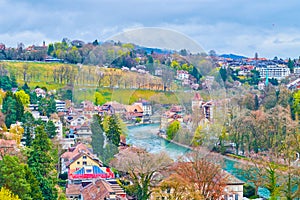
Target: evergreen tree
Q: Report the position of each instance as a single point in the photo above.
(255, 78)
(223, 74)
(33, 98)
(97, 135)
(7, 95)
(12, 108)
(196, 74)
(26, 88)
(13, 79)
(108, 152)
(35, 191)
(50, 49)
(51, 106)
(42, 106)
(256, 102)
(50, 129)
(13, 176)
(291, 65)
(40, 122)
(28, 125)
(114, 130)
(150, 59)
(5, 83)
(19, 108)
(9, 109)
(67, 95)
(41, 162)
(95, 43)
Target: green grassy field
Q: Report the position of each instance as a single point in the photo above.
(41, 74)
(126, 96)
(38, 73)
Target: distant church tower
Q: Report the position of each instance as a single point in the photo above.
(197, 101)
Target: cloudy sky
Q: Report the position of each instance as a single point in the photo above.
(269, 27)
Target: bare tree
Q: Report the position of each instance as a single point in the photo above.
(167, 77)
(25, 69)
(197, 177)
(143, 170)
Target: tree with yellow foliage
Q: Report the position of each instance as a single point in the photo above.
(25, 98)
(17, 132)
(8, 195)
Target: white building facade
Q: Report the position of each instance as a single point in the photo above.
(274, 71)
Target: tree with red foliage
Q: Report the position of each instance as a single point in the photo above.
(196, 177)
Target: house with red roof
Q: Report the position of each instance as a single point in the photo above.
(182, 75)
(99, 189)
(205, 107)
(112, 107)
(72, 154)
(133, 112)
(8, 147)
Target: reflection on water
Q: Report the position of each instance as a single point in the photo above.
(145, 136)
(229, 166)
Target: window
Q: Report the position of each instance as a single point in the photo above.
(83, 157)
(236, 197)
(168, 190)
(84, 162)
(78, 163)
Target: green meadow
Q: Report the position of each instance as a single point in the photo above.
(41, 74)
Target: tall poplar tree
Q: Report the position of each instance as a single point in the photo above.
(114, 130)
(28, 124)
(42, 163)
(97, 135)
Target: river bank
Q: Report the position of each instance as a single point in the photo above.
(155, 142)
(203, 150)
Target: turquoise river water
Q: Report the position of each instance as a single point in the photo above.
(145, 136)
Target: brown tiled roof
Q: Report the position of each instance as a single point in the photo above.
(73, 151)
(134, 108)
(115, 105)
(78, 155)
(197, 97)
(8, 143)
(232, 180)
(73, 189)
(8, 147)
(60, 114)
(96, 190)
(67, 155)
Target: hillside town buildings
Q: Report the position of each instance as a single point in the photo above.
(274, 71)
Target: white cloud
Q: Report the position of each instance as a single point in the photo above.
(26, 37)
(243, 27)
